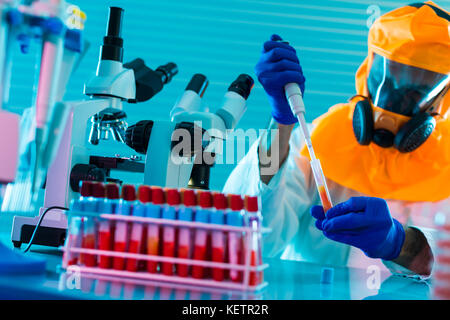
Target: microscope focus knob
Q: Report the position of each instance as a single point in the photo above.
(138, 135)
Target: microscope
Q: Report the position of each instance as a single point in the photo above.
(180, 153)
(176, 153)
(93, 134)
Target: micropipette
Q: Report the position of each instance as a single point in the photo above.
(294, 97)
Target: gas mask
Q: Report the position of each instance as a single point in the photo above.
(400, 106)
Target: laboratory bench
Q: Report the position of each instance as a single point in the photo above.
(286, 280)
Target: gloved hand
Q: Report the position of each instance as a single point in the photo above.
(278, 66)
(365, 223)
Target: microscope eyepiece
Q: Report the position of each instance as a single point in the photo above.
(112, 48)
(242, 85)
(115, 22)
(167, 72)
(149, 82)
(198, 84)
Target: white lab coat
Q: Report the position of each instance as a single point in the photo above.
(286, 203)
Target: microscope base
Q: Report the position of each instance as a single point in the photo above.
(50, 233)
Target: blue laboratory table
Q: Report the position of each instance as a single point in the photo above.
(287, 280)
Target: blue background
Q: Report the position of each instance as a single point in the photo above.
(222, 39)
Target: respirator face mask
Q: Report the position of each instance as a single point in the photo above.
(401, 102)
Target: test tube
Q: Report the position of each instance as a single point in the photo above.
(105, 233)
(254, 221)
(169, 212)
(185, 213)
(201, 235)
(89, 236)
(218, 237)
(322, 188)
(154, 211)
(235, 239)
(144, 196)
(75, 237)
(124, 207)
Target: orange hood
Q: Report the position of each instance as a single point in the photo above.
(419, 38)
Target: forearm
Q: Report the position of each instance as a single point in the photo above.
(416, 254)
(273, 150)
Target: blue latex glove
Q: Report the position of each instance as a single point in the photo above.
(365, 223)
(278, 65)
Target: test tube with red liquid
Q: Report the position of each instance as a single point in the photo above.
(202, 214)
(185, 213)
(322, 188)
(90, 233)
(254, 221)
(154, 211)
(105, 232)
(234, 217)
(218, 237)
(75, 236)
(169, 212)
(139, 210)
(124, 207)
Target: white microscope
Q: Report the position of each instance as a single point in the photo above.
(181, 152)
(93, 134)
(92, 141)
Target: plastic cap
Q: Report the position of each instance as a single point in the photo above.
(139, 210)
(236, 202)
(145, 194)
(202, 216)
(217, 217)
(173, 197)
(98, 190)
(112, 191)
(157, 195)
(189, 198)
(235, 218)
(153, 211)
(220, 201)
(327, 275)
(185, 214)
(128, 192)
(205, 199)
(251, 203)
(169, 213)
(86, 188)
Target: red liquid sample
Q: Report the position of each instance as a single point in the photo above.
(104, 244)
(119, 262)
(254, 276)
(89, 243)
(442, 293)
(326, 203)
(235, 245)
(199, 254)
(68, 256)
(183, 269)
(134, 248)
(168, 251)
(152, 249)
(218, 255)
(444, 244)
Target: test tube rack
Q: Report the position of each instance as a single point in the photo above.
(246, 268)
